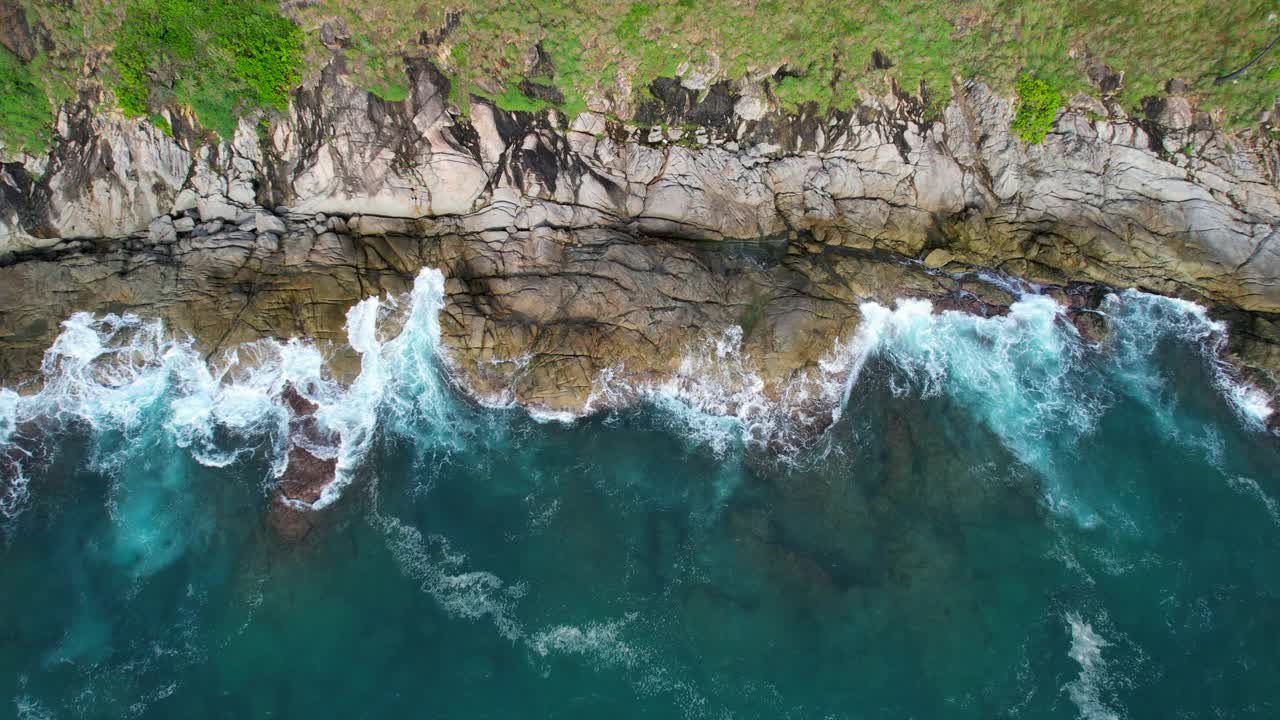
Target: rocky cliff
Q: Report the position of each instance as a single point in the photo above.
(576, 245)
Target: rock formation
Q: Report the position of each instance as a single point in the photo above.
(306, 475)
(574, 245)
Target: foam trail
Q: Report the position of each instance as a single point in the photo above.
(1250, 487)
(441, 572)
(1085, 691)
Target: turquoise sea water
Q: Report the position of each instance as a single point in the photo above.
(1003, 522)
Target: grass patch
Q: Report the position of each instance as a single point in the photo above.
(513, 99)
(25, 113)
(1038, 104)
(814, 86)
(161, 122)
(223, 58)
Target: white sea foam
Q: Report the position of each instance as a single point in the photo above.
(1013, 373)
(29, 708)
(599, 641)
(440, 572)
(1142, 318)
(1096, 678)
(110, 372)
(114, 373)
(1087, 689)
(717, 399)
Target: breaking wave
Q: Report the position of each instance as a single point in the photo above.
(1020, 375)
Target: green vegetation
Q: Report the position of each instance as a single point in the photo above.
(24, 108)
(620, 46)
(1038, 104)
(220, 57)
(223, 58)
(514, 99)
(161, 122)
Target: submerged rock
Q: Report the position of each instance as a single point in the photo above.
(306, 477)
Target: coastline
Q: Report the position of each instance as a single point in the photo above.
(575, 246)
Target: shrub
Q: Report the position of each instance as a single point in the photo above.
(1038, 104)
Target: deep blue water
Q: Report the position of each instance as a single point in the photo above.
(1002, 523)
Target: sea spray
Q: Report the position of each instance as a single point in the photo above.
(1012, 373)
(1141, 320)
(125, 377)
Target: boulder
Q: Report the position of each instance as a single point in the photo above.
(265, 223)
(162, 231)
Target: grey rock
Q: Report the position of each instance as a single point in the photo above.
(1176, 113)
(209, 228)
(268, 242)
(270, 224)
(162, 231)
(184, 224)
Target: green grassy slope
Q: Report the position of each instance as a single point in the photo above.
(227, 57)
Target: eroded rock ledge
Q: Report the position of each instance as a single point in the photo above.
(571, 246)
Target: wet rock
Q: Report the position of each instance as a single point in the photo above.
(589, 247)
(967, 302)
(306, 477)
(1091, 324)
(299, 406)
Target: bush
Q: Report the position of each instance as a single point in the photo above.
(222, 58)
(1038, 104)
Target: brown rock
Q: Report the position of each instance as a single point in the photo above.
(1091, 325)
(303, 482)
(306, 477)
(19, 36)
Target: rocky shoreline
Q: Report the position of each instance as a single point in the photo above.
(571, 246)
